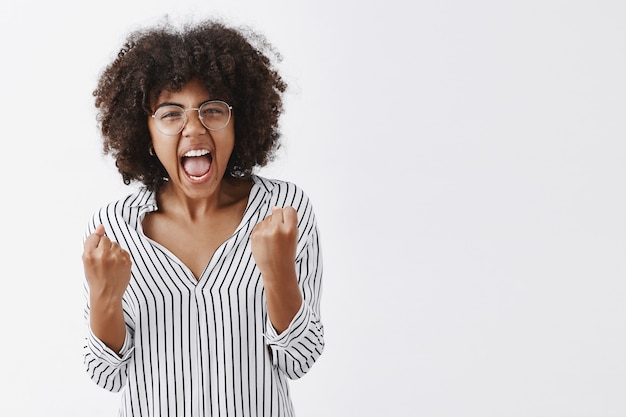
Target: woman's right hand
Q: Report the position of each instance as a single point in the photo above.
(107, 267)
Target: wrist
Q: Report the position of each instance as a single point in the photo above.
(104, 302)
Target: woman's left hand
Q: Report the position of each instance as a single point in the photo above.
(274, 241)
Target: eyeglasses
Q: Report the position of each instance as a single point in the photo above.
(171, 119)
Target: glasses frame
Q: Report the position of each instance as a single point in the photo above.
(185, 119)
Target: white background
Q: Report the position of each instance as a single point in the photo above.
(466, 160)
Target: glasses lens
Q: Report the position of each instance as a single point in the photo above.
(215, 115)
(169, 119)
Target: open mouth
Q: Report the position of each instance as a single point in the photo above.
(197, 163)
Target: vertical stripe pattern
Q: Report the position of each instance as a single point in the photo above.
(206, 347)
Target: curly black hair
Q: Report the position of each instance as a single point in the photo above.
(236, 65)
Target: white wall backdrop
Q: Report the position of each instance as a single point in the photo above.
(467, 162)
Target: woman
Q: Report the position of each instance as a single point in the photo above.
(202, 286)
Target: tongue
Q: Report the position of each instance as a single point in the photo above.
(196, 166)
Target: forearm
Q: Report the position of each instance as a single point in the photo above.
(284, 299)
(106, 318)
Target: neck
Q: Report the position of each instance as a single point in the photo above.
(230, 191)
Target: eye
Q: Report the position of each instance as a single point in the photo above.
(213, 110)
(170, 113)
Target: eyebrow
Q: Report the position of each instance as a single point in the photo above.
(169, 103)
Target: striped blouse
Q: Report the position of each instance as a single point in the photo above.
(205, 347)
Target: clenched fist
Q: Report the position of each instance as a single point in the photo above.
(107, 266)
(273, 242)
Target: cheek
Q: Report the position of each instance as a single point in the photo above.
(161, 143)
(227, 147)
(165, 151)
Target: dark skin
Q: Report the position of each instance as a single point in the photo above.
(206, 232)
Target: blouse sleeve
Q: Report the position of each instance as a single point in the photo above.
(296, 349)
(104, 366)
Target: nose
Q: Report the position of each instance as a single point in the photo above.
(192, 121)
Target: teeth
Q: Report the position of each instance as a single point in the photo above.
(196, 152)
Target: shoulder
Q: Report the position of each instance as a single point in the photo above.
(123, 210)
(283, 193)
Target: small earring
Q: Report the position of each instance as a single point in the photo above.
(151, 151)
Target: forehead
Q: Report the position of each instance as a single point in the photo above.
(193, 91)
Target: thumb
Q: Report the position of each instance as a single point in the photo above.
(99, 230)
(92, 241)
(290, 216)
